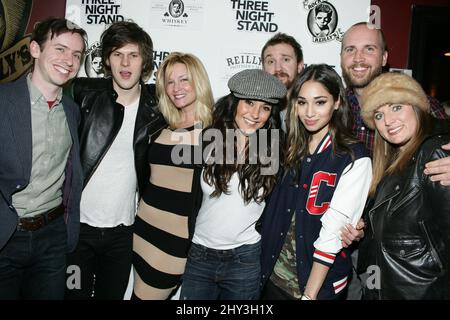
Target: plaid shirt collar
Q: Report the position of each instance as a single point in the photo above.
(359, 129)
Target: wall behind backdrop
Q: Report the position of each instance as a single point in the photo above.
(227, 35)
(397, 26)
(17, 19)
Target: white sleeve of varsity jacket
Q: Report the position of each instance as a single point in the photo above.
(346, 206)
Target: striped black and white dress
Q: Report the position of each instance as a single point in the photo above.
(161, 237)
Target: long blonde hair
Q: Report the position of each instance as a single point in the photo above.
(198, 78)
(388, 159)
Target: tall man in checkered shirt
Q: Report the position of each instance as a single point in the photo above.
(363, 56)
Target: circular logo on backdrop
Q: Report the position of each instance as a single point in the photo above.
(322, 20)
(93, 65)
(176, 8)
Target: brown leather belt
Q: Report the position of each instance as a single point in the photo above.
(37, 222)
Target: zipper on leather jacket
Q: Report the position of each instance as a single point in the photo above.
(411, 193)
(372, 211)
(103, 155)
(156, 132)
(388, 198)
(155, 119)
(431, 244)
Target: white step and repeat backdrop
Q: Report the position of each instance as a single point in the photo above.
(227, 35)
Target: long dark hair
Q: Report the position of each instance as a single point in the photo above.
(297, 146)
(250, 178)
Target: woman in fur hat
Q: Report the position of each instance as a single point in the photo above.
(406, 251)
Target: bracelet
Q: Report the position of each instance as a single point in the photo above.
(305, 297)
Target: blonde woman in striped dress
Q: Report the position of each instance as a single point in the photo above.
(165, 219)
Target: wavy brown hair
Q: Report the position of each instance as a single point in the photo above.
(251, 180)
(387, 157)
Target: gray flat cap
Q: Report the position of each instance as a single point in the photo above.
(256, 84)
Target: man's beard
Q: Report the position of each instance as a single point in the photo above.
(359, 83)
(284, 78)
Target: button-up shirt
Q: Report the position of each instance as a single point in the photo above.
(51, 143)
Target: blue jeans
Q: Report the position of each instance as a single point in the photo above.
(222, 274)
(33, 263)
(104, 258)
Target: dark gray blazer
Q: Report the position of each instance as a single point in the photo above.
(16, 157)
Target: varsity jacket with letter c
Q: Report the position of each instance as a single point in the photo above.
(329, 192)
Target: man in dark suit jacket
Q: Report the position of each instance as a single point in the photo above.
(40, 170)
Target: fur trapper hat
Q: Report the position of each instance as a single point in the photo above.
(389, 88)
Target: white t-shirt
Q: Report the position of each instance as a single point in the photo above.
(226, 222)
(109, 198)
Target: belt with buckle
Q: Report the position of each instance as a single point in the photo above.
(40, 220)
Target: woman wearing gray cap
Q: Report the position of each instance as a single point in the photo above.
(407, 245)
(224, 259)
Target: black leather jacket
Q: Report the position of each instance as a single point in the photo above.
(101, 119)
(408, 233)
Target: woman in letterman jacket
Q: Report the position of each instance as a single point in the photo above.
(324, 186)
